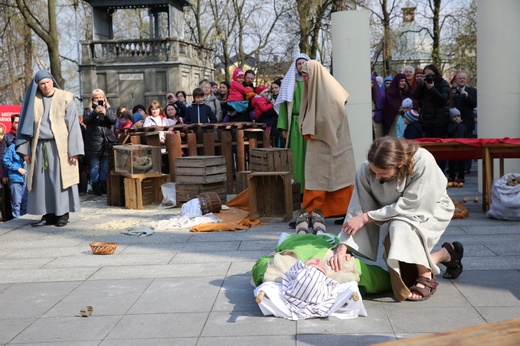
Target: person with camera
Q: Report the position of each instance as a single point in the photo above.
(181, 106)
(434, 96)
(99, 119)
(465, 100)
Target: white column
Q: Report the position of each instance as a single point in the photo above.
(351, 67)
(498, 53)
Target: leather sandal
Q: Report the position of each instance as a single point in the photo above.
(318, 221)
(302, 222)
(430, 286)
(454, 267)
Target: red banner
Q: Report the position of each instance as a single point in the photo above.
(5, 116)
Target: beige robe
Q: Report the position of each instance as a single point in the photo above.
(329, 159)
(60, 101)
(412, 215)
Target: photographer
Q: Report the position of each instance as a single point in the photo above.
(99, 119)
(434, 95)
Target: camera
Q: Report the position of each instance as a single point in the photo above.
(429, 78)
(100, 103)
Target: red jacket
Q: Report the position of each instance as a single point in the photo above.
(237, 92)
(261, 105)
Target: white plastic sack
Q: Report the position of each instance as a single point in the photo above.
(191, 208)
(505, 199)
(169, 195)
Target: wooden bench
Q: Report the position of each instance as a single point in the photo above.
(505, 333)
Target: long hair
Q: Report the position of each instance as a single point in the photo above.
(155, 105)
(391, 152)
(99, 92)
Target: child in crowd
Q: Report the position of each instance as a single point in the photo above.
(236, 100)
(198, 111)
(413, 129)
(456, 129)
(400, 125)
(264, 112)
(125, 121)
(264, 109)
(16, 170)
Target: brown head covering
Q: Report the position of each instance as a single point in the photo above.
(322, 110)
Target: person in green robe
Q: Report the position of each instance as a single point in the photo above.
(288, 108)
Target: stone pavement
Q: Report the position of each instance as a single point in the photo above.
(182, 288)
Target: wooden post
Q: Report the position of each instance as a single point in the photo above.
(226, 147)
(192, 144)
(173, 148)
(241, 154)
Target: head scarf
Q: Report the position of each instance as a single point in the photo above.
(287, 89)
(393, 99)
(387, 78)
(322, 110)
(378, 99)
(26, 125)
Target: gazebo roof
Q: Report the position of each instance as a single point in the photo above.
(125, 4)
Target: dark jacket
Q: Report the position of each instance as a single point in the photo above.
(413, 131)
(199, 113)
(434, 104)
(99, 131)
(456, 130)
(466, 104)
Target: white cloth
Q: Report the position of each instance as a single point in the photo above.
(287, 88)
(185, 222)
(308, 292)
(345, 307)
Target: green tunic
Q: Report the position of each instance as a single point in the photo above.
(373, 278)
(295, 141)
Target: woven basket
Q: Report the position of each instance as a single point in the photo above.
(103, 248)
(209, 202)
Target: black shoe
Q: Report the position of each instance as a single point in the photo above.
(103, 187)
(47, 219)
(96, 189)
(61, 223)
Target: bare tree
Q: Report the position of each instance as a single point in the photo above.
(47, 32)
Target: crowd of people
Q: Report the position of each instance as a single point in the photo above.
(400, 191)
(419, 102)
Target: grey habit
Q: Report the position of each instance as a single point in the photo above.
(47, 196)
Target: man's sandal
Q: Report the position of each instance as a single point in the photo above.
(430, 286)
(318, 221)
(302, 222)
(454, 267)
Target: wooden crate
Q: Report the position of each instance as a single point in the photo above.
(115, 190)
(270, 160)
(200, 170)
(143, 189)
(270, 196)
(137, 159)
(185, 192)
(242, 181)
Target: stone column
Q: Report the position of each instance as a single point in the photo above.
(498, 52)
(351, 67)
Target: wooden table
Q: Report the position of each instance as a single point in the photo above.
(485, 149)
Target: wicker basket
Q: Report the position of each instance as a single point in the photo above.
(209, 202)
(103, 248)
